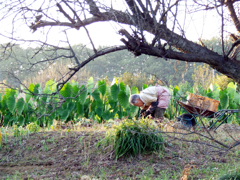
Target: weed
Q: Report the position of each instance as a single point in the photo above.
(44, 145)
(33, 127)
(16, 131)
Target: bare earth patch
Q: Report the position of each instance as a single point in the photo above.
(70, 155)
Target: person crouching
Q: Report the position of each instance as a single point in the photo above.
(153, 101)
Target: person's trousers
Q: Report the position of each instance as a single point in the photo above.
(159, 112)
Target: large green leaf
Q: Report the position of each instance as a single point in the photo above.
(145, 86)
(122, 86)
(231, 91)
(71, 106)
(75, 90)
(20, 105)
(224, 99)
(234, 97)
(10, 92)
(134, 90)
(120, 114)
(65, 114)
(66, 90)
(99, 103)
(201, 91)
(236, 100)
(128, 91)
(21, 120)
(102, 87)
(37, 89)
(4, 104)
(28, 97)
(50, 87)
(83, 94)
(210, 94)
(93, 106)
(44, 99)
(115, 110)
(90, 84)
(123, 99)
(31, 87)
(99, 111)
(133, 110)
(106, 115)
(112, 103)
(80, 109)
(96, 94)
(114, 91)
(11, 103)
(216, 90)
(47, 90)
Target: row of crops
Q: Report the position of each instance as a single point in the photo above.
(98, 101)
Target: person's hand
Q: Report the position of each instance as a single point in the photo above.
(147, 113)
(142, 113)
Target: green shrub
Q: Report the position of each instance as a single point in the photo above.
(234, 176)
(32, 127)
(132, 137)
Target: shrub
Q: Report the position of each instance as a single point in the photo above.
(132, 137)
(32, 127)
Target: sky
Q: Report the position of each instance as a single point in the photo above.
(204, 25)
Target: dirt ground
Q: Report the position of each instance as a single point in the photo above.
(74, 155)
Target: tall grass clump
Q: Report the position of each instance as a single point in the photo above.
(233, 176)
(133, 137)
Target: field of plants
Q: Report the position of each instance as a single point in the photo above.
(91, 131)
(98, 101)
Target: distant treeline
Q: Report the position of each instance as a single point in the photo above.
(24, 63)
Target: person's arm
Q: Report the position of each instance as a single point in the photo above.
(143, 111)
(152, 108)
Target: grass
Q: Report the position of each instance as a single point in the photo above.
(62, 154)
(133, 137)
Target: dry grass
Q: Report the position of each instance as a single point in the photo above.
(57, 72)
(71, 153)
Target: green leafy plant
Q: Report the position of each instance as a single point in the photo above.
(132, 137)
(16, 131)
(98, 101)
(233, 176)
(33, 127)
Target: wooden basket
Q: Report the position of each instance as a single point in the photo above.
(201, 102)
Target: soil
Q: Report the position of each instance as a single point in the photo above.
(73, 155)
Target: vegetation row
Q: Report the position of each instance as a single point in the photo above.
(99, 102)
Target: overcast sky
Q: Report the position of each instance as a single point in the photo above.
(204, 25)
